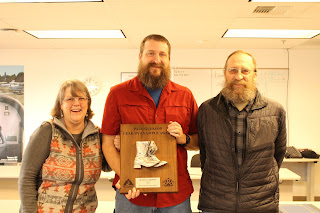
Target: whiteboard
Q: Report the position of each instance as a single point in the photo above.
(273, 83)
(206, 83)
(199, 81)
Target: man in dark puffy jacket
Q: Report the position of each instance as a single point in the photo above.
(242, 139)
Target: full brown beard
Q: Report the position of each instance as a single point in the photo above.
(239, 95)
(150, 81)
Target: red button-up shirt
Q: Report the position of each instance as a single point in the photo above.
(130, 103)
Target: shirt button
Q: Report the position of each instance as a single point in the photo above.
(239, 150)
(156, 115)
(239, 133)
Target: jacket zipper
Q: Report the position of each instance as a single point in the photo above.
(237, 170)
(77, 181)
(237, 190)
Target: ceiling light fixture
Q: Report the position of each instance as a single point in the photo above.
(259, 33)
(284, 0)
(9, 29)
(46, 1)
(76, 33)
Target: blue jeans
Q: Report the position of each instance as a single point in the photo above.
(123, 205)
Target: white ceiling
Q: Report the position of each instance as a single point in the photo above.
(186, 24)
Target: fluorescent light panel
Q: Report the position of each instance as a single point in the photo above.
(284, 0)
(258, 33)
(77, 33)
(46, 1)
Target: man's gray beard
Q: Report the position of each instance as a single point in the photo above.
(153, 82)
(242, 95)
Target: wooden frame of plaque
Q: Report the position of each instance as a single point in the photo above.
(148, 179)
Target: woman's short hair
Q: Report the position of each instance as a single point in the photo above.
(76, 86)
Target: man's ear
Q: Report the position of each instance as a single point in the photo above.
(255, 76)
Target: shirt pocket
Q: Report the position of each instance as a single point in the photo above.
(134, 114)
(180, 114)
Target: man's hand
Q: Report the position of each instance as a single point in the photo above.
(175, 129)
(131, 194)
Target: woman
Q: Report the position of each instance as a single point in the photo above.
(63, 159)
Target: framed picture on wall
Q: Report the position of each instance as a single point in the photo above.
(11, 114)
(125, 76)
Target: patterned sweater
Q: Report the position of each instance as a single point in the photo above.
(64, 181)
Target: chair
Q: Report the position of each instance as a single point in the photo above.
(195, 161)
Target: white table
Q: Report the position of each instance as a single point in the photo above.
(14, 171)
(309, 171)
(9, 171)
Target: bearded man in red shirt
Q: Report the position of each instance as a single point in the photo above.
(152, 98)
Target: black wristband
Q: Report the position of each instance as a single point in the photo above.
(187, 141)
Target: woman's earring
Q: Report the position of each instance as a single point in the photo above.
(61, 114)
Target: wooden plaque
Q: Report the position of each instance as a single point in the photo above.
(148, 179)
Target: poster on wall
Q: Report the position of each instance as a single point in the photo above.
(11, 114)
(125, 76)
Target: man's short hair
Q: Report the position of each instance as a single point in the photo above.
(244, 52)
(155, 37)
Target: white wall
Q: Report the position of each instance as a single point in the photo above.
(304, 102)
(304, 98)
(46, 69)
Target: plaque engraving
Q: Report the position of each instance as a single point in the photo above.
(148, 182)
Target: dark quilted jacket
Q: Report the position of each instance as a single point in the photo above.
(255, 186)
